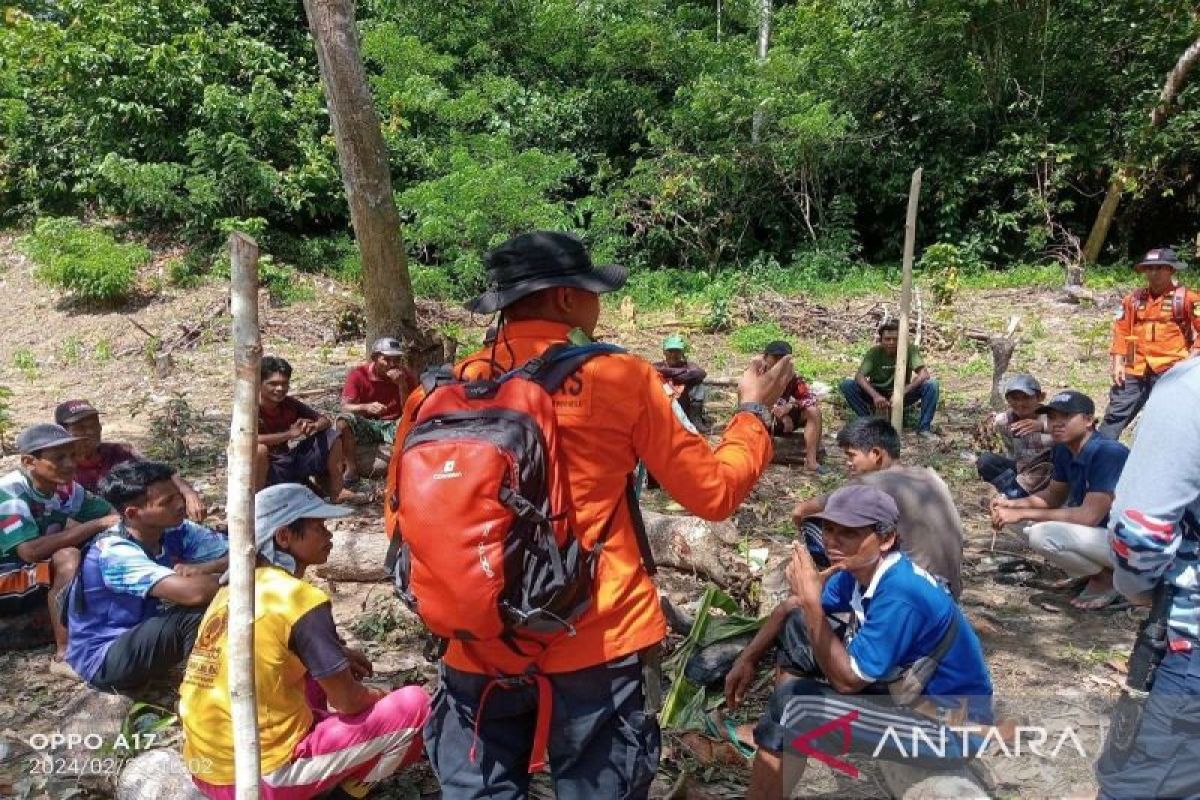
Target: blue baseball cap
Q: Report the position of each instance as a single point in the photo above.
(280, 505)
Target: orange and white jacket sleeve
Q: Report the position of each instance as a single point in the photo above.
(710, 483)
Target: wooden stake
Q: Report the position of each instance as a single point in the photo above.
(243, 436)
(900, 375)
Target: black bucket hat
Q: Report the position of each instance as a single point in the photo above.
(539, 260)
(1162, 257)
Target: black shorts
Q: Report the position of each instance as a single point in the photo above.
(308, 459)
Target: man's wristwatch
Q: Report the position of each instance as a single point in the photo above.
(762, 412)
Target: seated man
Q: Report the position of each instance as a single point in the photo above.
(686, 380)
(1025, 468)
(930, 531)
(798, 407)
(95, 458)
(1070, 516)
(120, 634)
(898, 615)
(45, 517)
(373, 398)
(870, 390)
(295, 443)
(301, 663)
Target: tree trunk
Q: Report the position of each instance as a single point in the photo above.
(387, 288)
(764, 43)
(243, 438)
(1158, 115)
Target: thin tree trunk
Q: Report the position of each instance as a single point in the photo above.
(243, 436)
(387, 287)
(1173, 85)
(900, 374)
(764, 43)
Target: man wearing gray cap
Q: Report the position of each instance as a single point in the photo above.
(45, 516)
(1025, 434)
(907, 660)
(373, 398)
(302, 667)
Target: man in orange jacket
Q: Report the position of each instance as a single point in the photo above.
(1154, 330)
(604, 739)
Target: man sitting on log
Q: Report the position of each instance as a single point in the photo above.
(686, 381)
(121, 635)
(1025, 467)
(295, 443)
(95, 458)
(1067, 521)
(373, 398)
(930, 531)
(797, 408)
(906, 661)
(302, 668)
(45, 517)
(870, 390)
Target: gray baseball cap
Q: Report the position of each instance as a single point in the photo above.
(280, 505)
(857, 506)
(1025, 384)
(42, 437)
(387, 346)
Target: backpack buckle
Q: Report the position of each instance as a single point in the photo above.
(520, 506)
(481, 390)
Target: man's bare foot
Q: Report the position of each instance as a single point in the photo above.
(1099, 593)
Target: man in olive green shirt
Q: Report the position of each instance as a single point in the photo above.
(870, 390)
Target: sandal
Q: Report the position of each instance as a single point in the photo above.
(719, 727)
(1094, 601)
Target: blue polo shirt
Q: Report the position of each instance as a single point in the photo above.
(900, 617)
(116, 577)
(1097, 468)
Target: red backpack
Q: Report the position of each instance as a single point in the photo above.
(485, 545)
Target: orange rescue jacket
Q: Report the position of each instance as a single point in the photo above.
(613, 412)
(1158, 332)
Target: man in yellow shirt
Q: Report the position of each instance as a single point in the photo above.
(301, 668)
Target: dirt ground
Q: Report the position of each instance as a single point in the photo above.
(1052, 666)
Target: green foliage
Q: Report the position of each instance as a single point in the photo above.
(629, 122)
(751, 339)
(26, 362)
(71, 350)
(283, 284)
(943, 264)
(103, 351)
(85, 261)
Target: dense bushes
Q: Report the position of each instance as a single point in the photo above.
(628, 120)
(87, 262)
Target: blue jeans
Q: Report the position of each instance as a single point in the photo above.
(1165, 760)
(926, 394)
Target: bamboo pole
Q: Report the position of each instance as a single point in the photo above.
(900, 374)
(243, 436)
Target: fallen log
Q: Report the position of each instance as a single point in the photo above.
(685, 543)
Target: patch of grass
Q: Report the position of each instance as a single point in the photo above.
(753, 338)
(283, 284)
(87, 262)
(71, 350)
(978, 365)
(1092, 657)
(103, 351)
(26, 361)
(6, 420)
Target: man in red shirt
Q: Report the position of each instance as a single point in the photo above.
(373, 398)
(797, 408)
(295, 442)
(94, 459)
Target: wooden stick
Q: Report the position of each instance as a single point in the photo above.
(900, 374)
(243, 437)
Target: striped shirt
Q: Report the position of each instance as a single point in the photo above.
(1159, 486)
(26, 513)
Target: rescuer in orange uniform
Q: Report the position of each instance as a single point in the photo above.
(604, 739)
(1154, 330)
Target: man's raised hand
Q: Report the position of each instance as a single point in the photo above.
(762, 384)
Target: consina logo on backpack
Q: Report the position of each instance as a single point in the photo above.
(447, 472)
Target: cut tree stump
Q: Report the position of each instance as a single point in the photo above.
(1002, 346)
(157, 775)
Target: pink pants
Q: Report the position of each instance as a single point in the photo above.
(344, 749)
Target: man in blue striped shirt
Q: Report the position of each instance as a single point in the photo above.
(1151, 544)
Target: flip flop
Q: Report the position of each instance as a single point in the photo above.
(719, 727)
(1094, 601)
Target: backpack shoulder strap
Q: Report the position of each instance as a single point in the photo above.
(559, 362)
(947, 641)
(1180, 313)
